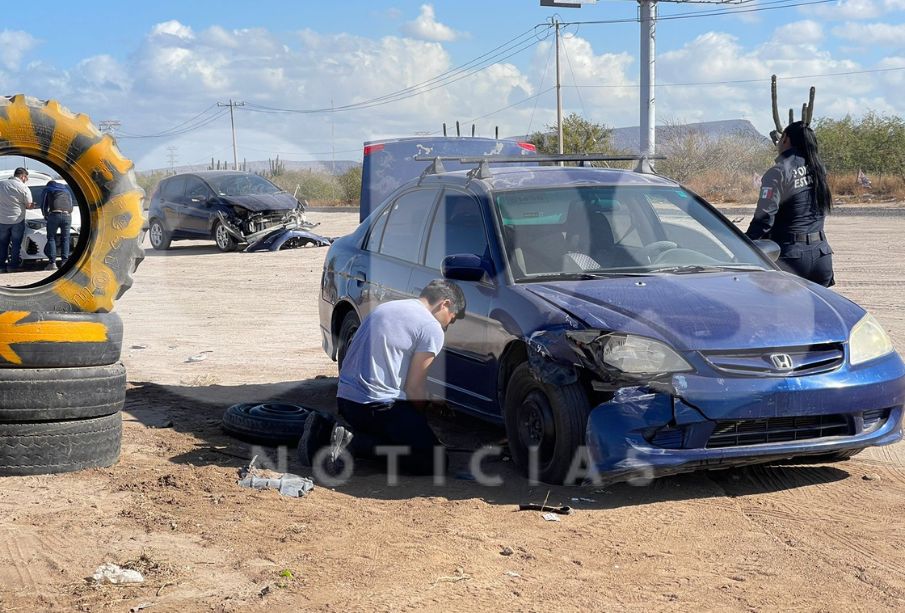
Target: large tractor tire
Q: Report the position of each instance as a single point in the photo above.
(109, 199)
(59, 340)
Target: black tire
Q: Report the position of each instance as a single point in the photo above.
(55, 394)
(157, 233)
(551, 418)
(59, 340)
(226, 242)
(347, 330)
(110, 200)
(58, 447)
(267, 423)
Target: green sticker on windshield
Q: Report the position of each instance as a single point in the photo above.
(681, 193)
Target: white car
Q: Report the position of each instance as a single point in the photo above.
(35, 238)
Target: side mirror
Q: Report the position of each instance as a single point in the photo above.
(769, 248)
(463, 267)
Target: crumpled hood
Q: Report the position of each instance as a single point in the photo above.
(709, 311)
(263, 202)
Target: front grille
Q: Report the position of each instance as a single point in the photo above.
(797, 361)
(778, 430)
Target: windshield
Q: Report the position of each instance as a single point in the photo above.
(242, 185)
(578, 232)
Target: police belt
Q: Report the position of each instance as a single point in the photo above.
(804, 237)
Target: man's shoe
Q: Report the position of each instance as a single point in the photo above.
(315, 435)
(335, 463)
(51, 266)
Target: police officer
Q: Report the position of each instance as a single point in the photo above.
(794, 201)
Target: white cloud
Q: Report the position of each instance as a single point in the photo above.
(14, 44)
(871, 34)
(172, 28)
(805, 32)
(853, 10)
(426, 27)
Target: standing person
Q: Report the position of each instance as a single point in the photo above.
(56, 204)
(381, 392)
(794, 201)
(14, 199)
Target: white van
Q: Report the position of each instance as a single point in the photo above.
(35, 238)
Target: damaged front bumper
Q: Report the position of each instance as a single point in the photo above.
(291, 232)
(711, 422)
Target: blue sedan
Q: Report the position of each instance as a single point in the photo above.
(618, 325)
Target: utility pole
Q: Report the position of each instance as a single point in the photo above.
(558, 91)
(172, 157)
(648, 62)
(232, 121)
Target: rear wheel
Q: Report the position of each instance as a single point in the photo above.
(160, 238)
(548, 419)
(225, 240)
(346, 331)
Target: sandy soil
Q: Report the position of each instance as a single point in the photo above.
(820, 537)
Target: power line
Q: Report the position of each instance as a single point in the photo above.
(185, 130)
(743, 81)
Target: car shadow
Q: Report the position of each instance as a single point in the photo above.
(176, 249)
(197, 411)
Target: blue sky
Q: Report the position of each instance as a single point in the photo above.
(159, 69)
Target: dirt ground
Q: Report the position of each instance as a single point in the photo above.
(810, 538)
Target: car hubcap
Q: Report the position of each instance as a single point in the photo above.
(222, 237)
(536, 425)
(156, 234)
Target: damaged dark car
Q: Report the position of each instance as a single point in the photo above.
(230, 208)
(618, 325)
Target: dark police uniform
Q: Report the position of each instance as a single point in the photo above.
(787, 213)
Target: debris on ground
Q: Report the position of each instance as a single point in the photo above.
(506, 551)
(550, 517)
(540, 507)
(113, 573)
(286, 484)
(871, 477)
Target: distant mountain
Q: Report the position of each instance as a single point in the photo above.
(629, 139)
(341, 166)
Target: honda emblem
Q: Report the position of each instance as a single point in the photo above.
(781, 361)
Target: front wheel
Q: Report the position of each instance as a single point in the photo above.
(545, 425)
(225, 240)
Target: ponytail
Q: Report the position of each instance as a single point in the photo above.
(803, 139)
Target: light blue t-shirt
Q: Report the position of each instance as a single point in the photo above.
(377, 361)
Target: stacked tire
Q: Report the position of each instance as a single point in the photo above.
(62, 386)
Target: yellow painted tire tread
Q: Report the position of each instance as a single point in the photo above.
(104, 182)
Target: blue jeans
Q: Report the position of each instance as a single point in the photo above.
(63, 223)
(11, 235)
(392, 423)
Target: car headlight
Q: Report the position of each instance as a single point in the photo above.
(636, 355)
(36, 224)
(868, 340)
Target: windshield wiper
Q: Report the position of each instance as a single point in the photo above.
(579, 276)
(696, 268)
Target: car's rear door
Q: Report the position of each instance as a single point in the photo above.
(172, 205)
(393, 248)
(462, 374)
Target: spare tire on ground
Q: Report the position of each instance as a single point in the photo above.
(62, 446)
(58, 340)
(110, 200)
(56, 394)
(266, 423)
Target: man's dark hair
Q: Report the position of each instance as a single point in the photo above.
(441, 289)
(20, 172)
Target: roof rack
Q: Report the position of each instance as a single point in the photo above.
(482, 171)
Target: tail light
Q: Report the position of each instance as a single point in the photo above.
(369, 149)
(528, 147)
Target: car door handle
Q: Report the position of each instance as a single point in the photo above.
(360, 279)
